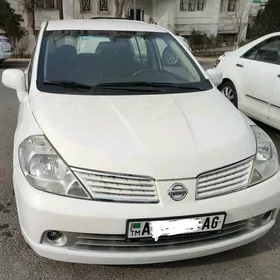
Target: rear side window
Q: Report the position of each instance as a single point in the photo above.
(267, 51)
(89, 44)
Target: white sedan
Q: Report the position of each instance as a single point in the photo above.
(124, 160)
(251, 78)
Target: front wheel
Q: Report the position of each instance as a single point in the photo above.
(228, 89)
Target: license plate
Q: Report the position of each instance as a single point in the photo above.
(157, 228)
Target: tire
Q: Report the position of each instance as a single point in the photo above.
(228, 89)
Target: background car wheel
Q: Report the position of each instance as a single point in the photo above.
(228, 89)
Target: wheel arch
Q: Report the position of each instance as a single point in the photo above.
(225, 80)
(236, 102)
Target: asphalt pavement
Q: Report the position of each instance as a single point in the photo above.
(257, 261)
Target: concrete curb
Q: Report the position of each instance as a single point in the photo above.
(206, 59)
(17, 60)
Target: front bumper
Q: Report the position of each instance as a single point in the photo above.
(39, 212)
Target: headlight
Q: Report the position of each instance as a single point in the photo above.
(266, 161)
(45, 170)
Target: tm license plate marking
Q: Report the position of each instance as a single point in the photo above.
(155, 229)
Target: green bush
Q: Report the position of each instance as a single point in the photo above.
(200, 41)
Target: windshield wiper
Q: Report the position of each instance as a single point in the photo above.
(149, 84)
(124, 84)
(180, 86)
(127, 86)
(68, 84)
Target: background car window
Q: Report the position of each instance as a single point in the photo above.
(268, 51)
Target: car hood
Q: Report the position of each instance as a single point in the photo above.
(165, 136)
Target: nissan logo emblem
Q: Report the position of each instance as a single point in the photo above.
(178, 192)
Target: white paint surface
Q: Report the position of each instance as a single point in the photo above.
(160, 228)
(166, 136)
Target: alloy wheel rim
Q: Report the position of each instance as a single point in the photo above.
(228, 93)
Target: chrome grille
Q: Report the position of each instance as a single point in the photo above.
(119, 243)
(118, 187)
(225, 180)
(97, 242)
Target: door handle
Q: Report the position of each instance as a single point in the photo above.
(239, 65)
(278, 75)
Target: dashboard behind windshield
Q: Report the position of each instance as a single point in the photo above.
(91, 58)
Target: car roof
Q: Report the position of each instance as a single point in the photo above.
(104, 24)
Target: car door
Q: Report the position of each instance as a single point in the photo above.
(274, 106)
(258, 71)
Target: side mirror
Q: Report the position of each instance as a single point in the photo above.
(14, 79)
(215, 76)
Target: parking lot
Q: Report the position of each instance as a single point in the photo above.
(259, 260)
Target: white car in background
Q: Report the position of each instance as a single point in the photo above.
(251, 78)
(184, 41)
(124, 160)
(5, 48)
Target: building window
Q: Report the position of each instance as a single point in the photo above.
(200, 5)
(228, 5)
(192, 5)
(183, 5)
(45, 4)
(232, 5)
(85, 6)
(103, 5)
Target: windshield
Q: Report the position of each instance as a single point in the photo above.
(114, 62)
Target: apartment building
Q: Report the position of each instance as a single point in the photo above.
(181, 16)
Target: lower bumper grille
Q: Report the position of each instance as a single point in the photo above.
(119, 243)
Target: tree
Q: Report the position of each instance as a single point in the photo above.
(119, 4)
(239, 18)
(10, 21)
(267, 20)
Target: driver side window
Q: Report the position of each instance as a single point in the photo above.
(267, 51)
